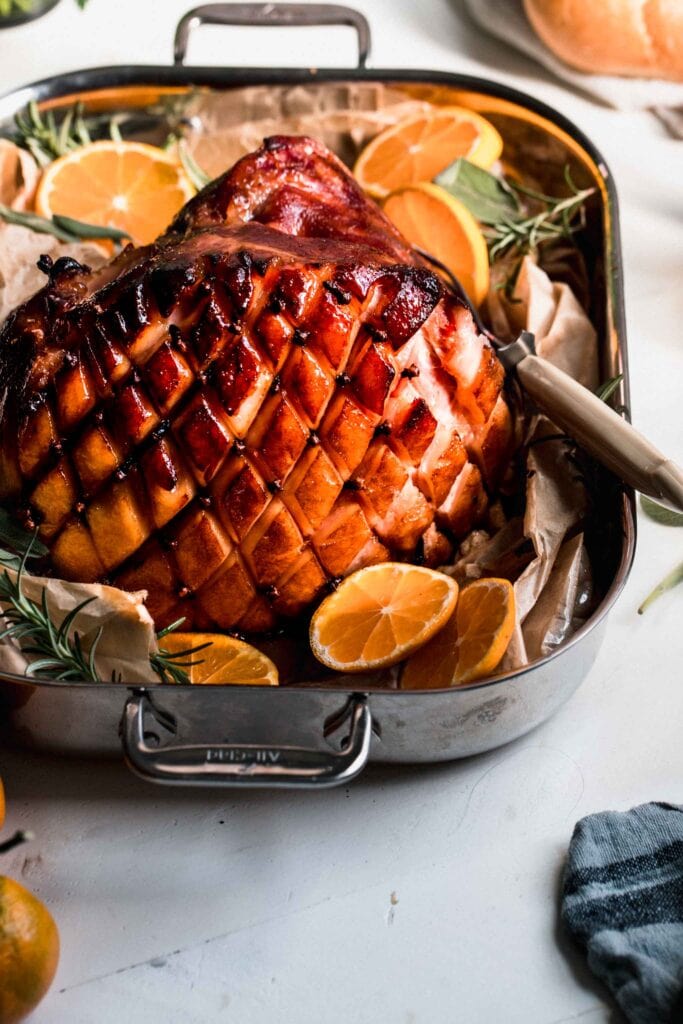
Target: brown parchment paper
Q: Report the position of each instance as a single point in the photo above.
(127, 639)
(20, 248)
(541, 551)
(527, 550)
(345, 116)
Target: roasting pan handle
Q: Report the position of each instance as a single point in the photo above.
(272, 14)
(228, 764)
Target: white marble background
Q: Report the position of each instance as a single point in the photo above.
(415, 896)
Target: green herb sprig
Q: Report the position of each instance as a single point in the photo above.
(605, 391)
(171, 666)
(66, 229)
(47, 139)
(49, 136)
(502, 206)
(668, 583)
(559, 218)
(8, 7)
(665, 517)
(16, 543)
(44, 138)
(659, 514)
(195, 174)
(30, 625)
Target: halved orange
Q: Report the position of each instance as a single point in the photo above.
(227, 660)
(419, 148)
(434, 220)
(471, 644)
(127, 185)
(379, 615)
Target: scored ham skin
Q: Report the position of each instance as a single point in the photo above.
(272, 395)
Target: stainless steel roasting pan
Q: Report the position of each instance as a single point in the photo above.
(308, 735)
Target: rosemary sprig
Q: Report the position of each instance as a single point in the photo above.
(171, 666)
(510, 226)
(66, 229)
(559, 218)
(195, 174)
(46, 140)
(29, 622)
(30, 625)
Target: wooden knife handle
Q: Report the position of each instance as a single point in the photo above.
(601, 431)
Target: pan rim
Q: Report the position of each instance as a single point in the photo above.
(160, 75)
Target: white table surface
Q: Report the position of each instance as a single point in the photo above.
(413, 896)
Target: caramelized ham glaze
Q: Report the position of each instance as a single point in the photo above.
(272, 395)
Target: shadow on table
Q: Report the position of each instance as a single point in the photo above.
(578, 967)
(56, 777)
(254, 820)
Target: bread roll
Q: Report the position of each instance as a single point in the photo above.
(614, 37)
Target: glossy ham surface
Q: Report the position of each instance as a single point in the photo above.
(272, 395)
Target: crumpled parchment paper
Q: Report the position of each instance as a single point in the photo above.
(345, 116)
(128, 636)
(533, 551)
(541, 551)
(20, 248)
(550, 310)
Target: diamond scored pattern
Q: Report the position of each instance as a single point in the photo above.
(205, 460)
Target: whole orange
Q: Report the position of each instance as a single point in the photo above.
(29, 951)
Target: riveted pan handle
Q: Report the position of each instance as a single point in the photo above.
(272, 14)
(227, 764)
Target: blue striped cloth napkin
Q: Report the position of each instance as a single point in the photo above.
(622, 900)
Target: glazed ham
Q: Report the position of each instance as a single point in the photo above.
(272, 395)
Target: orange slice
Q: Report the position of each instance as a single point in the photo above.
(431, 218)
(471, 644)
(227, 660)
(379, 615)
(421, 147)
(127, 185)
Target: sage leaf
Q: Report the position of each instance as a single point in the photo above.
(82, 230)
(66, 229)
(35, 223)
(488, 198)
(668, 583)
(659, 514)
(605, 391)
(18, 540)
(9, 560)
